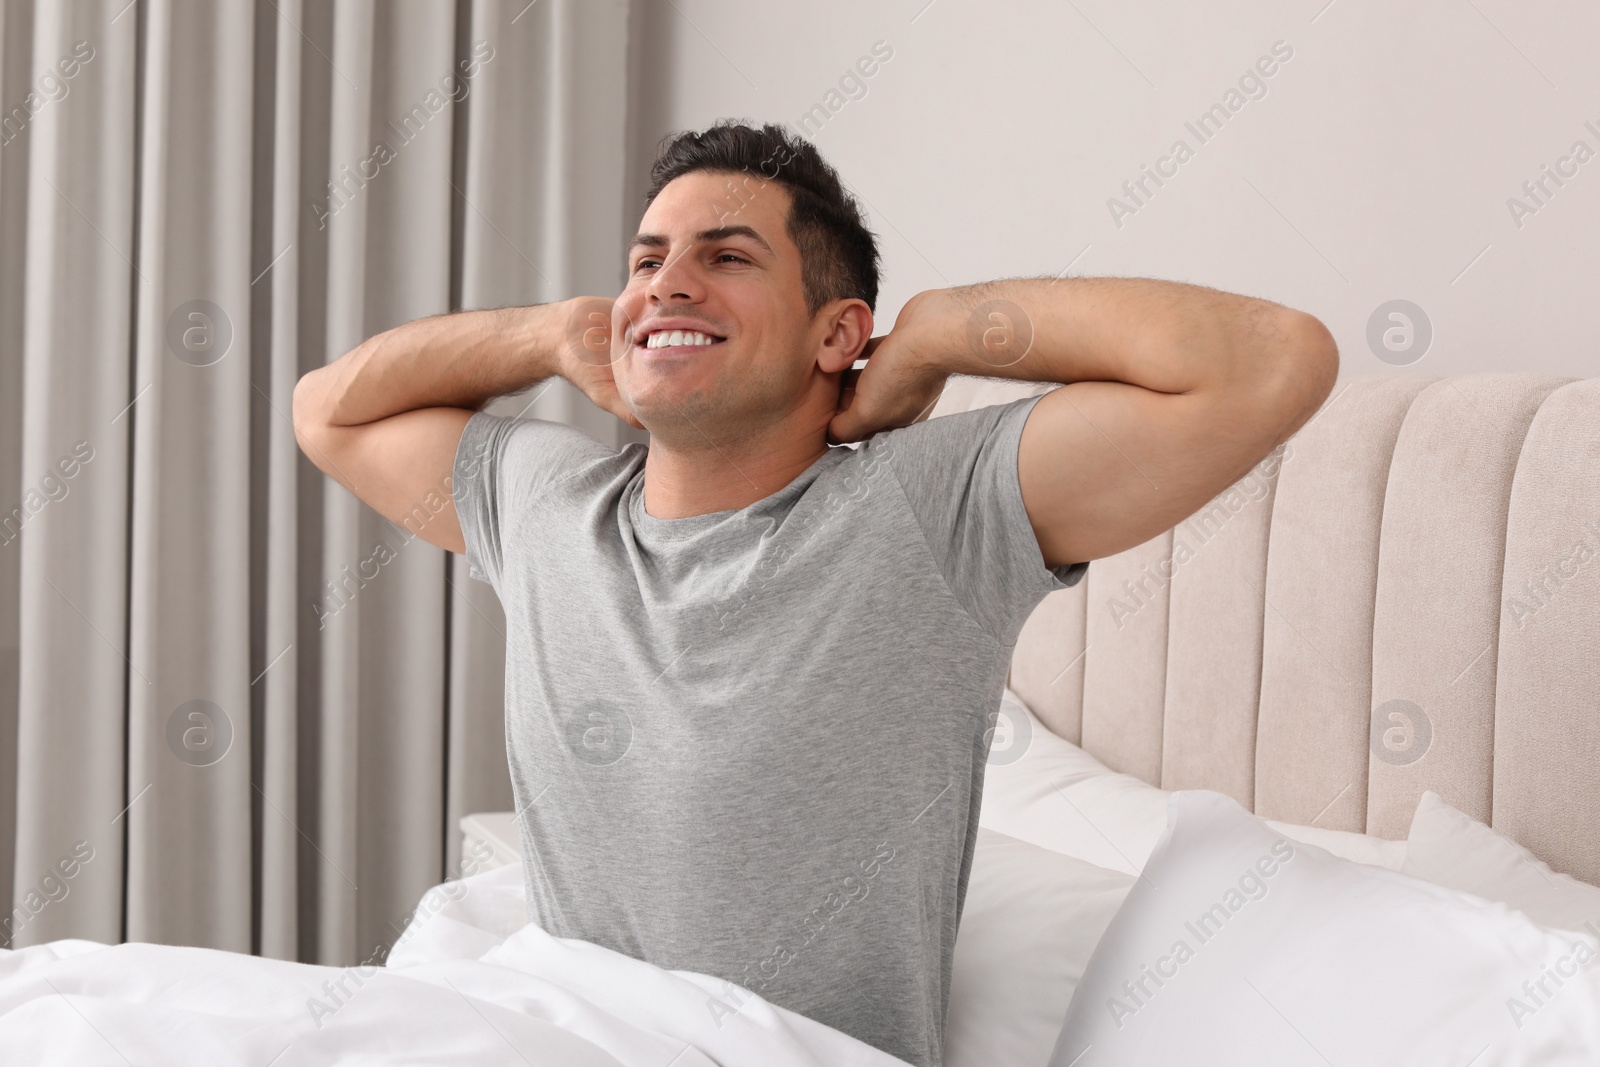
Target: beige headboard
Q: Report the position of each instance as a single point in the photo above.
(1423, 555)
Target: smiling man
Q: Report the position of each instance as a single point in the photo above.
(750, 672)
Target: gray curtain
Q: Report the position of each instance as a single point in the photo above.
(240, 708)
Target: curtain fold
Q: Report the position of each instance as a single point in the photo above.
(16, 40)
(262, 706)
(75, 671)
(189, 749)
(281, 692)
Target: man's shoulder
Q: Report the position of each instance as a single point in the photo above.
(528, 431)
(536, 453)
(941, 438)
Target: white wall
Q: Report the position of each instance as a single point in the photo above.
(1377, 166)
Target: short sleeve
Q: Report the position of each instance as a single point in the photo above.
(501, 466)
(959, 475)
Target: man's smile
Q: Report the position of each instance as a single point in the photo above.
(678, 341)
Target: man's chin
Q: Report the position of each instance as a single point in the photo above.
(665, 410)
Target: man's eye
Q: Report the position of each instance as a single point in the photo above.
(651, 261)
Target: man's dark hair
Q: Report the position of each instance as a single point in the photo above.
(838, 254)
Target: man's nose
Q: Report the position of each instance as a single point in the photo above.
(676, 279)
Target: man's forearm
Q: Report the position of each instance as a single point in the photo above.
(1169, 337)
(459, 360)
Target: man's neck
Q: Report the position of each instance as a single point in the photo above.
(679, 483)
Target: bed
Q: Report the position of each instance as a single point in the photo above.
(1401, 604)
(1344, 719)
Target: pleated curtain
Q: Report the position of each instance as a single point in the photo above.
(241, 708)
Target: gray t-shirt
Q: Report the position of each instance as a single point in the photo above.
(751, 744)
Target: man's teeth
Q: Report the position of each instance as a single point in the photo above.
(675, 338)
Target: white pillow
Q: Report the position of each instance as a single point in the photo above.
(1041, 788)
(1238, 946)
(1453, 849)
(1030, 921)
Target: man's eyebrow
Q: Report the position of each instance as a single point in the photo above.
(721, 233)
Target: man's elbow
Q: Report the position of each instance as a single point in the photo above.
(307, 410)
(1306, 369)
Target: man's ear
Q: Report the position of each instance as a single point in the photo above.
(848, 329)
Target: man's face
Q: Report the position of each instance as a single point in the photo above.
(714, 255)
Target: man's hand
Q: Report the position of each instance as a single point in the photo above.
(901, 382)
(587, 355)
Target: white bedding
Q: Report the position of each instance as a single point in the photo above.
(470, 982)
(467, 983)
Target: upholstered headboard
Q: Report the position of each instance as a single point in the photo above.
(1405, 597)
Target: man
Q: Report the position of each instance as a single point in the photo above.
(750, 675)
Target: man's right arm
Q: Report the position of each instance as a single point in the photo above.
(385, 419)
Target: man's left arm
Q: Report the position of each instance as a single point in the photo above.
(1171, 392)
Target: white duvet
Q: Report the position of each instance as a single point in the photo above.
(468, 982)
